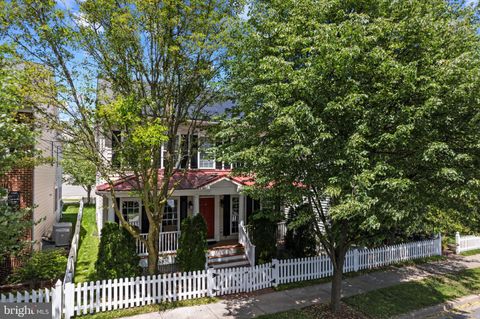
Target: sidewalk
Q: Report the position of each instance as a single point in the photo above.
(248, 306)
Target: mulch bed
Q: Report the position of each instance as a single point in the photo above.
(323, 311)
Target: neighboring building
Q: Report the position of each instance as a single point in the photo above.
(39, 187)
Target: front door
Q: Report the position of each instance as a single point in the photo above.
(207, 209)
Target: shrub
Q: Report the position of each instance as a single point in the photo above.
(192, 245)
(117, 256)
(300, 240)
(42, 266)
(263, 228)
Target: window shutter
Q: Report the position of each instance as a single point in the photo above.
(184, 151)
(226, 215)
(145, 223)
(183, 208)
(194, 151)
(120, 208)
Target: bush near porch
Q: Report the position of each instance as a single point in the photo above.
(192, 245)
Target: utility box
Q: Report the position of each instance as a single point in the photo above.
(62, 233)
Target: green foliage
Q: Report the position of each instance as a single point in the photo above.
(301, 239)
(77, 169)
(263, 229)
(117, 256)
(370, 105)
(43, 265)
(13, 223)
(192, 245)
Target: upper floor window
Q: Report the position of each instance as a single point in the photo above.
(205, 158)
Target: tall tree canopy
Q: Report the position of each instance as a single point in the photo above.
(78, 170)
(371, 105)
(158, 64)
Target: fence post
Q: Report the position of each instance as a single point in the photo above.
(57, 300)
(69, 299)
(275, 272)
(210, 282)
(457, 243)
(356, 260)
(439, 247)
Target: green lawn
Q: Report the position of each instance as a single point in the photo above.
(150, 308)
(471, 252)
(69, 214)
(87, 252)
(410, 296)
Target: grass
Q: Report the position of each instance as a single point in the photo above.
(150, 308)
(306, 283)
(290, 314)
(471, 252)
(410, 296)
(88, 249)
(69, 214)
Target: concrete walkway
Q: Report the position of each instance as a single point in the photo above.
(253, 305)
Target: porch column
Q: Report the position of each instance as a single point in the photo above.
(196, 204)
(241, 208)
(111, 211)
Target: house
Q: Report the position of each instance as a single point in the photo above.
(205, 187)
(38, 187)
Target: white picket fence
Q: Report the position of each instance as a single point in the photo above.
(99, 296)
(52, 295)
(72, 255)
(466, 243)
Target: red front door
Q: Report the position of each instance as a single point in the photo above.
(207, 209)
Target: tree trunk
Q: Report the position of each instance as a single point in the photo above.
(336, 292)
(152, 249)
(89, 190)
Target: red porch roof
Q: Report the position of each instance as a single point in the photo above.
(191, 179)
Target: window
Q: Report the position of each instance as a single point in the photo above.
(235, 214)
(170, 216)
(205, 157)
(116, 140)
(131, 212)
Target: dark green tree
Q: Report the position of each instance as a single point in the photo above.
(117, 255)
(263, 229)
(301, 240)
(369, 105)
(192, 245)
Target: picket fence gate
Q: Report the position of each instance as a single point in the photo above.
(99, 296)
(466, 243)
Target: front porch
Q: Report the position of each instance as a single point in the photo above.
(222, 254)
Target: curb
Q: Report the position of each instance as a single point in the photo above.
(429, 311)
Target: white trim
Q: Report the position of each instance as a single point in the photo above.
(207, 186)
(177, 199)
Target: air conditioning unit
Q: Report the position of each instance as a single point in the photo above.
(62, 233)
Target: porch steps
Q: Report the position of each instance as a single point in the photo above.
(227, 256)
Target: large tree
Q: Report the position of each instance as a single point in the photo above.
(369, 105)
(158, 64)
(17, 140)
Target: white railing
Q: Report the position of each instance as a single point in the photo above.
(167, 243)
(93, 297)
(466, 243)
(244, 240)
(52, 295)
(281, 231)
(135, 223)
(72, 255)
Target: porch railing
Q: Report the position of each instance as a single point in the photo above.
(167, 243)
(244, 240)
